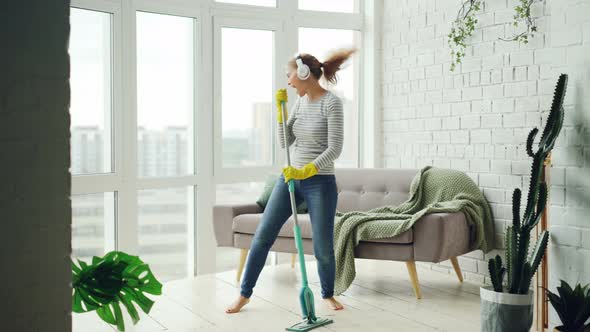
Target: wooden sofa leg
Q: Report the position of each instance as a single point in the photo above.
(411, 265)
(293, 258)
(243, 256)
(457, 268)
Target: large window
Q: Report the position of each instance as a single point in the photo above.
(246, 97)
(319, 43)
(173, 99)
(165, 94)
(165, 139)
(91, 89)
(94, 213)
(109, 213)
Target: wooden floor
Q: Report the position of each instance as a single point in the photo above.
(380, 299)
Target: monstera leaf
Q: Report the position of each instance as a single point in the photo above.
(115, 279)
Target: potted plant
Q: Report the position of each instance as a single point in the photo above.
(115, 279)
(510, 308)
(572, 307)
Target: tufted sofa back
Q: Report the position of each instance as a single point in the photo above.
(368, 188)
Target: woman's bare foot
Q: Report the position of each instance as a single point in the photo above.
(237, 305)
(333, 304)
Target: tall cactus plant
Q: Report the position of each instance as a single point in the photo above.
(520, 266)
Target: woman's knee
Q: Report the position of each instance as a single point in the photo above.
(324, 254)
(263, 240)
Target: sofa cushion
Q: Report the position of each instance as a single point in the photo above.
(247, 224)
(365, 189)
(403, 238)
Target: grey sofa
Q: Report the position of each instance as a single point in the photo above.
(433, 238)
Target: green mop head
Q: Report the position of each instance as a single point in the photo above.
(307, 325)
(307, 307)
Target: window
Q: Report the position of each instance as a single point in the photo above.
(164, 215)
(246, 97)
(149, 96)
(233, 193)
(264, 3)
(340, 6)
(319, 42)
(91, 90)
(93, 224)
(91, 108)
(165, 95)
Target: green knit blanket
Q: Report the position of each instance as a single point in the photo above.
(433, 190)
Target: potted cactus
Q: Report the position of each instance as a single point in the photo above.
(508, 306)
(572, 306)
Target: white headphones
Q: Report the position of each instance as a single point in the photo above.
(303, 71)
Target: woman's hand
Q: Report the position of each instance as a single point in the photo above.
(281, 98)
(305, 172)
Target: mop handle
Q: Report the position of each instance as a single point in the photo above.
(284, 124)
(296, 229)
(291, 181)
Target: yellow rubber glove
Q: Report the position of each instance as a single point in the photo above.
(280, 97)
(305, 172)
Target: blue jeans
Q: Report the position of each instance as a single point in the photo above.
(321, 196)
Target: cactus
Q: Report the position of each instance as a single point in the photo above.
(510, 243)
(496, 272)
(520, 267)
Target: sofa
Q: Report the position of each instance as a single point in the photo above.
(433, 238)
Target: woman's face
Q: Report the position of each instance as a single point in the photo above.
(299, 85)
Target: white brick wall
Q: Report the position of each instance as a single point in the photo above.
(35, 211)
(569, 37)
(484, 110)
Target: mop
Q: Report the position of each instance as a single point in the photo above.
(310, 321)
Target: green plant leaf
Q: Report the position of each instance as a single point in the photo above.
(118, 316)
(571, 305)
(126, 300)
(115, 278)
(106, 314)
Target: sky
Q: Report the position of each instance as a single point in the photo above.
(165, 64)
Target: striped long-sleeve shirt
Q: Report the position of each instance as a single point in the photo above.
(315, 132)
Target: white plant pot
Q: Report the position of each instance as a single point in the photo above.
(504, 312)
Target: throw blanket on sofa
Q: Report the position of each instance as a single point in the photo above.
(433, 190)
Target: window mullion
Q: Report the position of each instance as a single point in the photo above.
(204, 261)
(127, 226)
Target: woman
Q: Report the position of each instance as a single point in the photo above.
(315, 129)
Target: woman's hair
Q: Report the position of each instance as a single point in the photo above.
(330, 66)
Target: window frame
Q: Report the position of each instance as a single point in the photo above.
(240, 173)
(107, 182)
